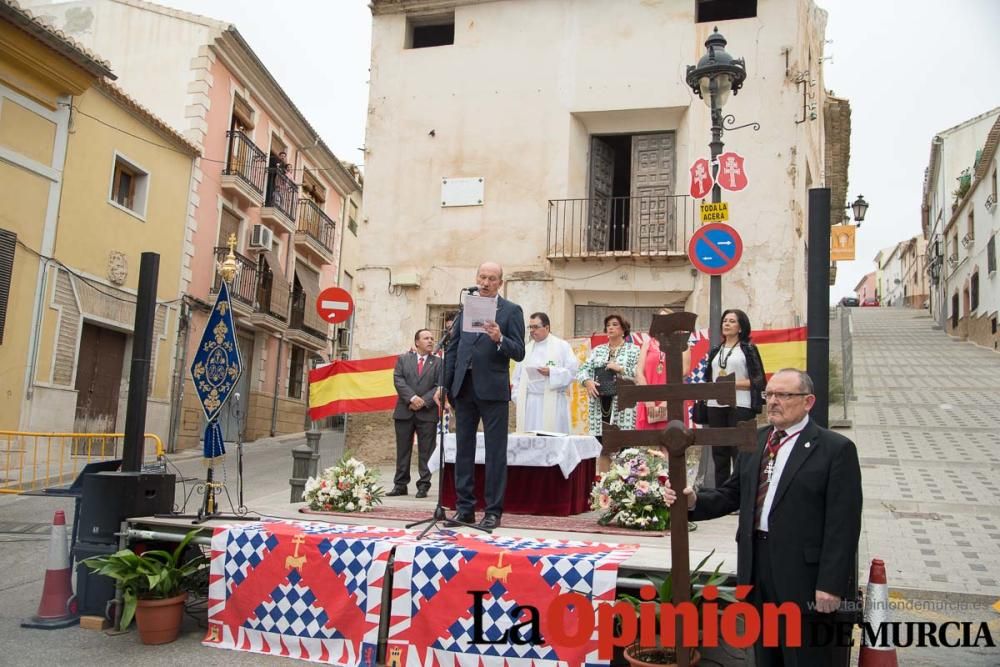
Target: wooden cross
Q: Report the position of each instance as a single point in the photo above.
(672, 332)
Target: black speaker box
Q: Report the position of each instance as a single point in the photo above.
(93, 591)
(111, 497)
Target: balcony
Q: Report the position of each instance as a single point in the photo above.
(252, 295)
(625, 227)
(280, 200)
(315, 230)
(243, 177)
(302, 330)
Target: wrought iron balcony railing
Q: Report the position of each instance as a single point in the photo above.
(297, 315)
(245, 160)
(317, 224)
(282, 192)
(616, 226)
(252, 286)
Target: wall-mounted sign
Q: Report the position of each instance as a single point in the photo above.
(462, 191)
(842, 243)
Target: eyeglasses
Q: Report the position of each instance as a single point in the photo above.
(532, 327)
(783, 395)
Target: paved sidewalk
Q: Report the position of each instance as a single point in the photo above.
(926, 424)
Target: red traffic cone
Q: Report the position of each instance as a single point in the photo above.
(57, 593)
(876, 614)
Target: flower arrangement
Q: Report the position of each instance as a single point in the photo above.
(631, 493)
(348, 486)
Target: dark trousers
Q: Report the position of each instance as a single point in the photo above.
(724, 458)
(816, 628)
(425, 430)
(469, 410)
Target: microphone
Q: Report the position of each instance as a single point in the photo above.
(471, 290)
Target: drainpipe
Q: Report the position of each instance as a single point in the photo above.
(289, 249)
(183, 333)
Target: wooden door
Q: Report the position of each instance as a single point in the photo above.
(653, 219)
(98, 379)
(602, 179)
(233, 416)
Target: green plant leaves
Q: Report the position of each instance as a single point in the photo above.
(153, 574)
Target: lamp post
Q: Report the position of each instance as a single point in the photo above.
(859, 207)
(715, 76)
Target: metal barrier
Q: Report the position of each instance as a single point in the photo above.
(846, 356)
(32, 461)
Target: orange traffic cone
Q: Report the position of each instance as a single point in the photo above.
(55, 611)
(876, 614)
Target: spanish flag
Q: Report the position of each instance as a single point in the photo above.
(779, 348)
(362, 385)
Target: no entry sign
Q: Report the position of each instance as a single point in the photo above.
(335, 305)
(715, 248)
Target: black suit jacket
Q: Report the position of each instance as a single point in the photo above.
(409, 384)
(478, 354)
(815, 519)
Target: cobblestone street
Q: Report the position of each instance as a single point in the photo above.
(926, 422)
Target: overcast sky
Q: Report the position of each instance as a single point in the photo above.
(910, 69)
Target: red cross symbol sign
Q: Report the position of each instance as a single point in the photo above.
(732, 172)
(701, 179)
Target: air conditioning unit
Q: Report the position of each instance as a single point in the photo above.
(261, 238)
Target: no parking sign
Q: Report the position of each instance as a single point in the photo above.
(715, 248)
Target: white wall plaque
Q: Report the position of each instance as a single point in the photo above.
(462, 191)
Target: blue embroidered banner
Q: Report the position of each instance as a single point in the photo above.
(217, 365)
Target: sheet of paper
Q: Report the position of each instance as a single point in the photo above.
(478, 310)
(533, 374)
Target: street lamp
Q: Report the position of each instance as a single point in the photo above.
(715, 76)
(859, 207)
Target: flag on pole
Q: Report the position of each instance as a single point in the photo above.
(216, 369)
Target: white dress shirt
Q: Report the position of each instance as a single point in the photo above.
(779, 466)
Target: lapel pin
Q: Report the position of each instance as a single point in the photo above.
(807, 445)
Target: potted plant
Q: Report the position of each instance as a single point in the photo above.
(643, 656)
(152, 584)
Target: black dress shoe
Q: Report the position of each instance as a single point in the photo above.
(490, 522)
(398, 491)
(463, 517)
(421, 493)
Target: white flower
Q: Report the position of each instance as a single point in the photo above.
(349, 507)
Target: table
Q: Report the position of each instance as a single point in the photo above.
(546, 475)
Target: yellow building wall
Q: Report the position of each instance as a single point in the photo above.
(91, 225)
(35, 70)
(34, 78)
(25, 197)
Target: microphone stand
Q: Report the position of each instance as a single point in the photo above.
(439, 511)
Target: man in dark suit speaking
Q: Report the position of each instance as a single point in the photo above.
(477, 376)
(415, 378)
(799, 497)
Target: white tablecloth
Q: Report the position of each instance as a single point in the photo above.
(531, 450)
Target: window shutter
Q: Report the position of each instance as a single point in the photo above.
(8, 240)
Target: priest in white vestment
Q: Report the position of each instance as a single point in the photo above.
(541, 382)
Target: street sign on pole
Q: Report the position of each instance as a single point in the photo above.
(732, 172)
(714, 212)
(335, 305)
(701, 179)
(715, 248)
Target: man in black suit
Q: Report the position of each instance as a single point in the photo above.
(799, 497)
(477, 375)
(415, 377)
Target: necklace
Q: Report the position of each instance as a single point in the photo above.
(723, 357)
